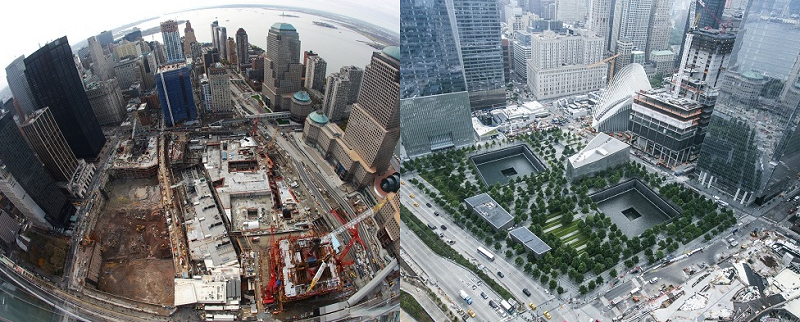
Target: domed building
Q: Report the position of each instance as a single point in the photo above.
(301, 106)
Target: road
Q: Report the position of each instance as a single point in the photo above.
(515, 279)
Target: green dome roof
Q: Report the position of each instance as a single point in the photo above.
(392, 51)
(283, 26)
(752, 75)
(318, 118)
(302, 96)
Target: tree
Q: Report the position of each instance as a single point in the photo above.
(592, 285)
(582, 289)
(509, 253)
(612, 273)
(518, 261)
(560, 290)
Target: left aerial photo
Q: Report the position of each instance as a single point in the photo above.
(197, 160)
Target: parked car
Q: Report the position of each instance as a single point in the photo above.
(484, 296)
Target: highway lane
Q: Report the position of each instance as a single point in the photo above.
(450, 277)
(466, 244)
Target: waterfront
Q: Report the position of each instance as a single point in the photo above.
(339, 47)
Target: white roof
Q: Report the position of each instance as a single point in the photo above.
(599, 147)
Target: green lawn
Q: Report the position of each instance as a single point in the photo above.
(409, 304)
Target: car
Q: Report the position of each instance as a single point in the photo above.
(443, 227)
(432, 226)
(792, 210)
(501, 274)
(451, 242)
(525, 290)
(492, 304)
(411, 195)
(441, 235)
(533, 307)
(484, 296)
(416, 204)
(546, 314)
(471, 313)
(428, 204)
(435, 213)
(653, 280)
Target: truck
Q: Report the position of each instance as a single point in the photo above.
(506, 306)
(465, 296)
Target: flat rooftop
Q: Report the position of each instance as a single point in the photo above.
(205, 230)
(139, 153)
(489, 210)
(530, 240)
(598, 148)
(247, 178)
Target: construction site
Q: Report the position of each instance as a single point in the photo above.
(131, 241)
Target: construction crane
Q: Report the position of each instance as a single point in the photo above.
(722, 25)
(344, 227)
(602, 62)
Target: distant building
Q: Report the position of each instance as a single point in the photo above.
(220, 87)
(65, 96)
(603, 152)
(282, 67)
(172, 41)
(188, 39)
(571, 11)
(19, 168)
(174, 86)
(490, 211)
(105, 38)
(148, 68)
(18, 83)
(214, 27)
(521, 47)
(125, 49)
(315, 73)
(555, 71)
(301, 106)
(706, 54)
(479, 37)
(134, 35)
(205, 90)
(222, 38)
(107, 102)
(242, 47)
(233, 59)
(664, 60)
(101, 66)
(128, 71)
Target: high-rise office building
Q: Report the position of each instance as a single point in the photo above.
(214, 38)
(315, 73)
(571, 11)
(101, 67)
(600, 19)
(341, 90)
(55, 83)
(45, 137)
(233, 58)
(242, 47)
(751, 149)
(479, 44)
(125, 48)
(705, 56)
(659, 27)
(172, 41)
(19, 168)
(625, 52)
(220, 88)
(557, 70)
(222, 38)
(205, 91)
(282, 66)
(710, 16)
(105, 38)
(631, 20)
(521, 47)
(134, 35)
(174, 85)
(18, 83)
(435, 111)
(148, 68)
(128, 71)
(374, 124)
(107, 102)
(188, 39)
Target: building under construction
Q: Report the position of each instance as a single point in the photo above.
(303, 267)
(136, 158)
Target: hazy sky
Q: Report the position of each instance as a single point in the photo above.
(30, 24)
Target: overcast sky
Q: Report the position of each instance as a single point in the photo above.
(30, 24)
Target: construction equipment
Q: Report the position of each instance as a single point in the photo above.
(317, 276)
(610, 59)
(722, 26)
(353, 222)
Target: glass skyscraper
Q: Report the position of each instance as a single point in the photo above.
(174, 85)
(751, 149)
(480, 46)
(55, 83)
(434, 105)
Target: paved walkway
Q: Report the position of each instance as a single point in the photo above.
(424, 300)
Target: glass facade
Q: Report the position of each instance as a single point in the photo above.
(55, 83)
(175, 94)
(20, 161)
(479, 35)
(751, 148)
(434, 105)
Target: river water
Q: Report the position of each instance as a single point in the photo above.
(339, 47)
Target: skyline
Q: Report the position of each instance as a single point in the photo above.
(378, 13)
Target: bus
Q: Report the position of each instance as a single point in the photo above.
(486, 253)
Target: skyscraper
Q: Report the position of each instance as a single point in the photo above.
(233, 58)
(46, 139)
(631, 21)
(282, 67)
(315, 73)
(101, 67)
(172, 41)
(751, 149)
(105, 38)
(600, 19)
(107, 102)
(214, 26)
(222, 38)
(174, 85)
(18, 83)
(219, 86)
(55, 83)
(711, 15)
(659, 27)
(188, 39)
(571, 11)
(556, 71)
(374, 124)
(435, 111)
(341, 90)
(242, 47)
(20, 168)
(479, 44)
(706, 54)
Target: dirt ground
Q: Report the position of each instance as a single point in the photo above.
(137, 261)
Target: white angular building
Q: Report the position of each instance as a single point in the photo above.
(612, 113)
(602, 152)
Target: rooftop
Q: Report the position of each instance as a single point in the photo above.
(392, 51)
(318, 118)
(283, 26)
(139, 153)
(302, 96)
(599, 147)
(530, 240)
(490, 210)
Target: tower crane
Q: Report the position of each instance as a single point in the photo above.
(610, 59)
(722, 25)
